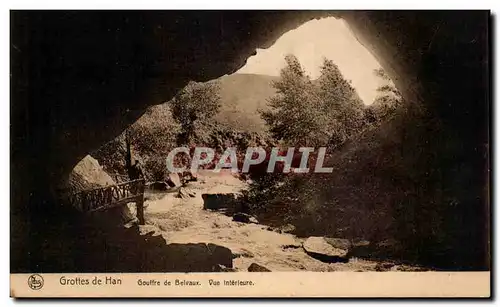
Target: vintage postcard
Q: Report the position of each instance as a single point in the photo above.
(168, 153)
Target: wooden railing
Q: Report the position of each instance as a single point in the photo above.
(104, 198)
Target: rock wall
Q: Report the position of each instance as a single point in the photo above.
(86, 175)
(79, 78)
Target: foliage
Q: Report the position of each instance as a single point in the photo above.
(320, 113)
(295, 116)
(386, 103)
(152, 137)
(324, 112)
(196, 103)
(343, 107)
(155, 131)
(163, 127)
(111, 157)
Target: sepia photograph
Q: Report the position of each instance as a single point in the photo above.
(218, 152)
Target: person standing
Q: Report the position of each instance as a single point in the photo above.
(135, 171)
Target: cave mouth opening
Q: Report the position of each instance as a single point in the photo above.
(340, 70)
(353, 90)
(394, 48)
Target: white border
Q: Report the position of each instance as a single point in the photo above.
(192, 4)
(254, 4)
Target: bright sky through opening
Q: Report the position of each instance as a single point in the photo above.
(327, 37)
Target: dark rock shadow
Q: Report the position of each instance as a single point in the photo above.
(126, 250)
(327, 258)
(84, 244)
(225, 203)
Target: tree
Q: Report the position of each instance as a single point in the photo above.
(148, 140)
(313, 113)
(155, 132)
(295, 115)
(196, 103)
(152, 137)
(343, 107)
(388, 100)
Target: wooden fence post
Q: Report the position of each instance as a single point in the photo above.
(140, 210)
(140, 202)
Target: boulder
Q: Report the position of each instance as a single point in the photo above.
(222, 268)
(243, 253)
(254, 267)
(244, 218)
(219, 201)
(87, 175)
(174, 180)
(339, 243)
(319, 248)
(188, 176)
(384, 266)
(185, 193)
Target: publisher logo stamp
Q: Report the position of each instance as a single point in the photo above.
(35, 282)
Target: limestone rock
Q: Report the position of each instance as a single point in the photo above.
(243, 253)
(174, 180)
(86, 175)
(188, 176)
(219, 201)
(244, 218)
(339, 243)
(254, 267)
(384, 266)
(185, 193)
(319, 248)
(223, 268)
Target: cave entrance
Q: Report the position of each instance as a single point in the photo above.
(303, 91)
(342, 71)
(427, 184)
